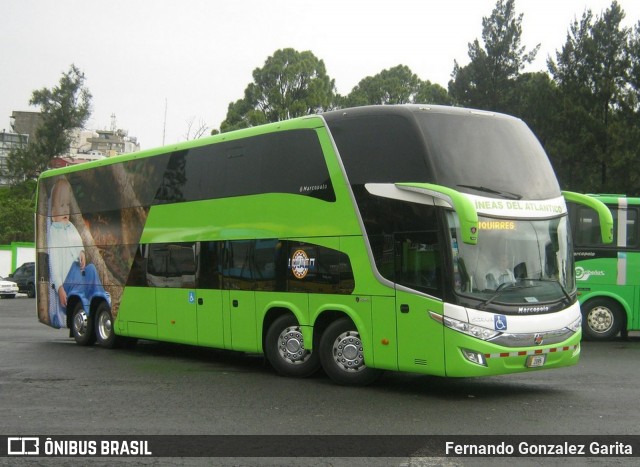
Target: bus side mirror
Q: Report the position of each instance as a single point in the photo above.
(463, 206)
(604, 214)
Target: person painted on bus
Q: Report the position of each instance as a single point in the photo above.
(70, 272)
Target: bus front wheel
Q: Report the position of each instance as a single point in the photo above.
(342, 355)
(82, 326)
(602, 319)
(285, 349)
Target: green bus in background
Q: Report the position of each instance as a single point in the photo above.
(608, 276)
(412, 238)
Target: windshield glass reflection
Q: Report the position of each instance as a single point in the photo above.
(515, 261)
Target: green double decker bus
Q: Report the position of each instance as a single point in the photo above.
(411, 238)
(608, 275)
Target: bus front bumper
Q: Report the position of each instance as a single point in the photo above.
(467, 356)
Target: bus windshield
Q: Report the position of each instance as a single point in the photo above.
(516, 261)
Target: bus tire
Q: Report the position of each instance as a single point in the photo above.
(285, 350)
(82, 326)
(602, 319)
(342, 357)
(104, 327)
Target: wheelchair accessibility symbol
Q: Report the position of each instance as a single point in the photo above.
(499, 322)
(192, 297)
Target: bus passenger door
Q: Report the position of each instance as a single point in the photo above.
(209, 315)
(171, 270)
(242, 317)
(239, 296)
(209, 296)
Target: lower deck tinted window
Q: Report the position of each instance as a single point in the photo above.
(259, 265)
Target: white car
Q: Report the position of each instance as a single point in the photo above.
(7, 288)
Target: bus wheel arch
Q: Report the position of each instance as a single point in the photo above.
(602, 318)
(284, 346)
(81, 323)
(342, 354)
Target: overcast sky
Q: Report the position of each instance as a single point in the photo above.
(194, 57)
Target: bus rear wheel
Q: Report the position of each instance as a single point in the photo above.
(602, 319)
(285, 349)
(82, 326)
(342, 357)
(104, 326)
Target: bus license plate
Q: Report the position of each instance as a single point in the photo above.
(535, 361)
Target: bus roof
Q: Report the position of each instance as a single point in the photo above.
(307, 122)
(610, 198)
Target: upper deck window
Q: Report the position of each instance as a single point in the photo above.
(477, 153)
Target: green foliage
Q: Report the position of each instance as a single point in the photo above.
(397, 85)
(290, 84)
(487, 82)
(17, 205)
(598, 115)
(430, 93)
(64, 108)
(585, 111)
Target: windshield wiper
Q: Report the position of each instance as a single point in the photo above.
(500, 290)
(564, 291)
(520, 285)
(504, 194)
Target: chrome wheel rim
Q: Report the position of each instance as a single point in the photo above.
(600, 319)
(80, 323)
(104, 326)
(348, 352)
(291, 346)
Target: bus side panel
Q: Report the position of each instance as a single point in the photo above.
(177, 321)
(385, 342)
(633, 276)
(137, 314)
(420, 337)
(600, 278)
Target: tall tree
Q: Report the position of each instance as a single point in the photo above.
(535, 98)
(64, 108)
(397, 85)
(593, 73)
(488, 80)
(290, 84)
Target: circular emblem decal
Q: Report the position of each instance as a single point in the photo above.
(299, 264)
(579, 272)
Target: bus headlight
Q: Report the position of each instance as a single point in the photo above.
(576, 325)
(472, 330)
